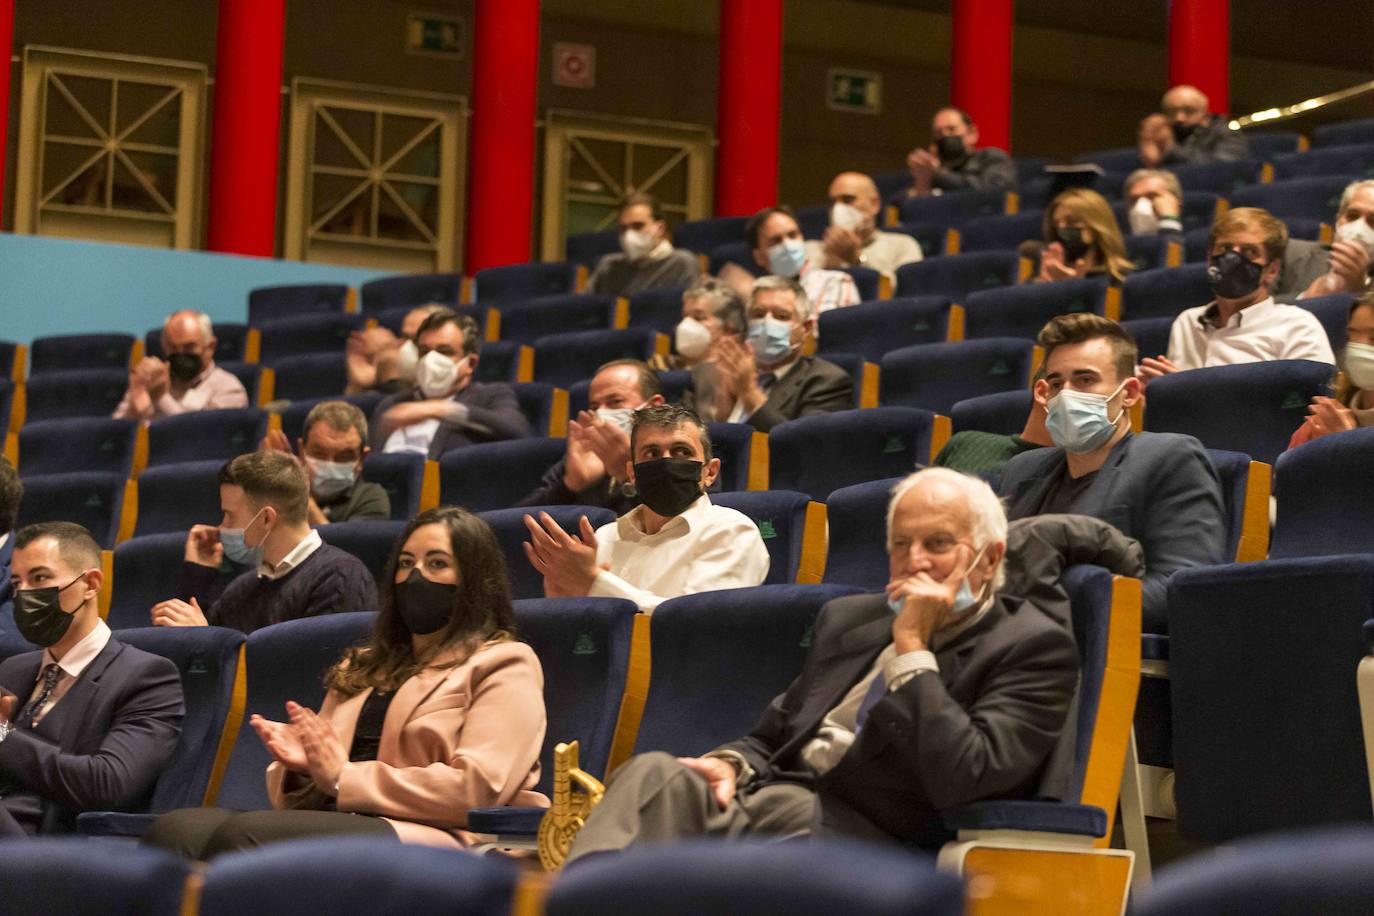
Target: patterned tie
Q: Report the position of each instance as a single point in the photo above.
(50, 676)
(876, 691)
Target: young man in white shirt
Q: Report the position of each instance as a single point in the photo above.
(677, 543)
(1243, 324)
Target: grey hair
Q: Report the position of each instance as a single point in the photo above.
(762, 284)
(207, 329)
(1355, 187)
(1170, 181)
(989, 519)
(339, 416)
(724, 301)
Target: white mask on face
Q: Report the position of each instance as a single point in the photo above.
(846, 216)
(621, 417)
(637, 244)
(329, 479)
(1358, 363)
(692, 338)
(1142, 217)
(1357, 231)
(409, 356)
(436, 374)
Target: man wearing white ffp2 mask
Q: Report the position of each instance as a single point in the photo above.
(592, 473)
(853, 238)
(1159, 488)
(647, 259)
(1155, 201)
(447, 408)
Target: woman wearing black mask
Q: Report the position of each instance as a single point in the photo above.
(1082, 239)
(440, 712)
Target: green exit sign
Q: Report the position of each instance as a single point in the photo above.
(441, 36)
(858, 91)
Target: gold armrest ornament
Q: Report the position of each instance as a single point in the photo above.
(569, 810)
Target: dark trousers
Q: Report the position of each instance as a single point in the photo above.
(203, 833)
(9, 827)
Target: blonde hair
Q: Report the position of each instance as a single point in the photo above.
(1092, 209)
(1273, 229)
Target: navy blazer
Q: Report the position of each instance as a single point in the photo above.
(984, 727)
(11, 643)
(493, 415)
(1159, 488)
(101, 748)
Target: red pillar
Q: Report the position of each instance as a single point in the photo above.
(505, 71)
(7, 46)
(247, 127)
(1200, 48)
(748, 107)
(980, 67)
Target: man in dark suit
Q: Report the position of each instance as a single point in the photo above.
(766, 380)
(447, 409)
(1159, 488)
(88, 722)
(11, 490)
(934, 695)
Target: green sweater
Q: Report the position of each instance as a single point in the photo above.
(975, 452)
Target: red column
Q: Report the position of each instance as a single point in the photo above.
(505, 71)
(247, 127)
(748, 107)
(980, 67)
(1200, 48)
(7, 46)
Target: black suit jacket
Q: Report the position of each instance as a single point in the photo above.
(811, 386)
(1159, 488)
(493, 415)
(101, 747)
(983, 727)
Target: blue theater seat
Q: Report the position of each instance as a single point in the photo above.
(656, 309)
(855, 366)
(1360, 130)
(65, 352)
(705, 235)
(931, 236)
(1266, 144)
(273, 303)
(1222, 177)
(231, 340)
(816, 878)
(402, 475)
(511, 533)
(500, 361)
(1334, 314)
(781, 517)
(1003, 413)
(249, 375)
(813, 221)
(957, 275)
(173, 497)
(1252, 408)
(1021, 311)
(521, 282)
(532, 319)
(1324, 496)
(90, 498)
(563, 359)
(818, 454)
(1000, 233)
(369, 541)
(323, 332)
(393, 319)
(1164, 293)
(285, 661)
(50, 875)
(857, 552)
(74, 393)
(496, 475)
(1307, 198)
(586, 248)
(409, 290)
(867, 281)
(1355, 159)
(207, 658)
(205, 435)
(77, 444)
(936, 376)
(733, 444)
(1150, 252)
(311, 376)
(1151, 335)
(350, 872)
(536, 400)
(736, 253)
(955, 207)
(1116, 159)
(146, 569)
(871, 329)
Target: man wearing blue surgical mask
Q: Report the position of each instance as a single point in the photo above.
(1159, 488)
(777, 248)
(292, 572)
(331, 448)
(766, 380)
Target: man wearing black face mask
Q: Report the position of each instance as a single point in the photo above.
(87, 723)
(1243, 324)
(677, 543)
(954, 161)
(1185, 132)
(186, 380)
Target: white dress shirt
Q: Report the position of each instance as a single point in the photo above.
(308, 545)
(414, 438)
(827, 289)
(76, 660)
(703, 549)
(1259, 333)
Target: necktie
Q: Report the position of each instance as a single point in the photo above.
(876, 691)
(50, 676)
(766, 380)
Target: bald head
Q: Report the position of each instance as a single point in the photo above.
(857, 190)
(1185, 105)
(189, 331)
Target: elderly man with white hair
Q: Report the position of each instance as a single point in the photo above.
(938, 692)
(186, 379)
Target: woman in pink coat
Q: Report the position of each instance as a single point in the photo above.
(440, 712)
